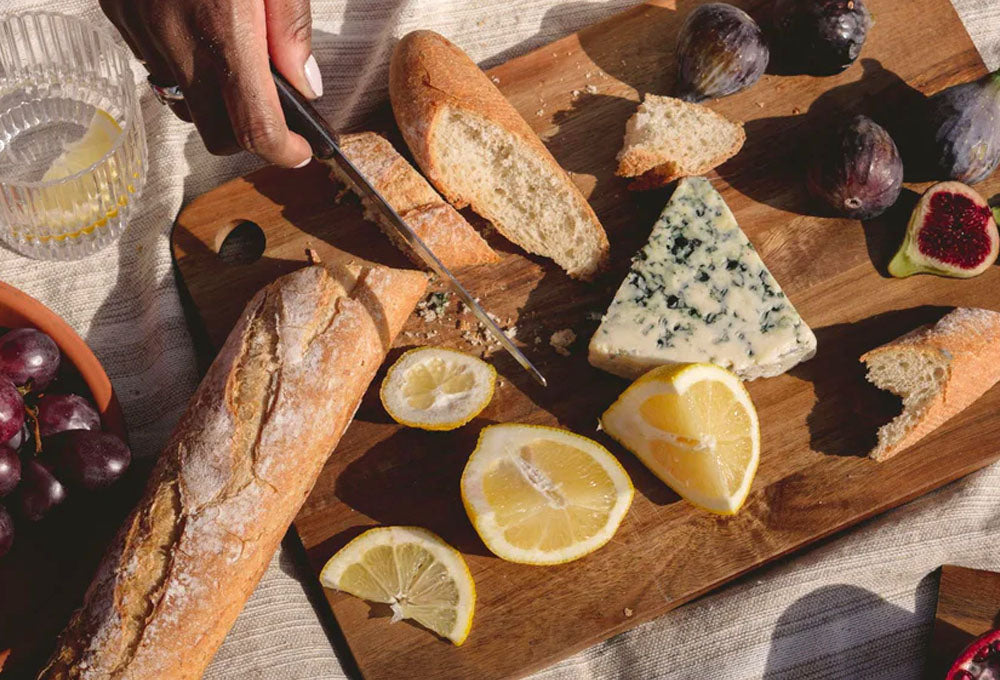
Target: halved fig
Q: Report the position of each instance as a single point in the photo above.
(951, 233)
(979, 661)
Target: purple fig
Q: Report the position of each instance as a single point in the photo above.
(821, 37)
(951, 233)
(720, 50)
(859, 173)
(964, 127)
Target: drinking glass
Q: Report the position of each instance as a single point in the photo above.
(59, 78)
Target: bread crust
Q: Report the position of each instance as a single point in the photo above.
(438, 224)
(428, 76)
(236, 470)
(970, 340)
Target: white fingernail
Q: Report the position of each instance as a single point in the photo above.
(313, 76)
(303, 163)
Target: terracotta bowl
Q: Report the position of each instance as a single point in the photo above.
(20, 309)
(43, 578)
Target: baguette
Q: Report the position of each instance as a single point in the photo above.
(478, 151)
(938, 371)
(438, 224)
(667, 139)
(237, 469)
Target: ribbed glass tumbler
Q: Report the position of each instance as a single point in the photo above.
(72, 144)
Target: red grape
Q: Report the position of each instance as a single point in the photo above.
(28, 354)
(61, 412)
(10, 470)
(6, 531)
(17, 441)
(89, 459)
(11, 410)
(39, 491)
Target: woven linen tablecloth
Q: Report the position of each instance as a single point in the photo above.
(858, 607)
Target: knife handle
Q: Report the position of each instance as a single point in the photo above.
(303, 119)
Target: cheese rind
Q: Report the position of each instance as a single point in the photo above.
(699, 292)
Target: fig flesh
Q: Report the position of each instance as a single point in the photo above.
(951, 233)
(979, 661)
(821, 37)
(860, 172)
(720, 50)
(964, 124)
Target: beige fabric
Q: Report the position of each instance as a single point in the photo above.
(858, 607)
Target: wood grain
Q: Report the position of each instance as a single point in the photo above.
(817, 421)
(968, 606)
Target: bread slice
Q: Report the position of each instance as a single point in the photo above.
(478, 151)
(438, 224)
(668, 138)
(938, 371)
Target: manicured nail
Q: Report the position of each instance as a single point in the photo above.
(313, 76)
(303, 163)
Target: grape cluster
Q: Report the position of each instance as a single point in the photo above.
(51, 441)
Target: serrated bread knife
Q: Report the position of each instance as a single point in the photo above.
(306, 121)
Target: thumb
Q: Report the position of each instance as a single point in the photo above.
(289, 42)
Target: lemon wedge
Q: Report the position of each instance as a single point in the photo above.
(541, 495)
(694, 427)
(101, 135)
(437, 389)
(414, 572)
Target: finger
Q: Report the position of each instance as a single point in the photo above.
(244, 73)
(289, 43)
(190, 66)
(208, 110)
(127, 20)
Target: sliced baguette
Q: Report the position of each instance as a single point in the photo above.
(478, 151)
(438, 224)
(667, 139)
(938, 371)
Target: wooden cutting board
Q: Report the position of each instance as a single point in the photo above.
(968, 606)
(817, 421)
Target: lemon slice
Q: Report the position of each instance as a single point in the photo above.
(540, 495)
(437, 389)
(413, 571)
(100, 136)
(694, 427)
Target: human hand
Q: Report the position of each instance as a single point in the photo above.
(217, 52)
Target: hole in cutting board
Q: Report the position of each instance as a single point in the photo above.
(244, 244)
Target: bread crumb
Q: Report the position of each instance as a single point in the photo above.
(540, 112)
(496, 80)
(561, 340)
(434, 306)
(575, 93)
(628, 612)
(592, 89)
(796, 111)
(587, 75)
(760, 105)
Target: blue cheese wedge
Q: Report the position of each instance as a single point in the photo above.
(699, 292)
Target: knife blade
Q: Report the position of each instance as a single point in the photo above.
(303, 119)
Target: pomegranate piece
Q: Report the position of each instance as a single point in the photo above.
(979, 661)
(951, 233)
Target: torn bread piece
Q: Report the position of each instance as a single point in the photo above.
(668, 138)
(478, 151)
(438, 224)
(938, 371)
